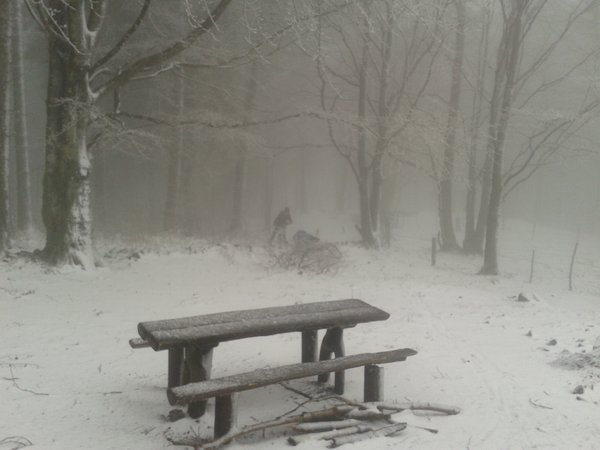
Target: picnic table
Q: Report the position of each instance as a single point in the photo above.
(190, 340)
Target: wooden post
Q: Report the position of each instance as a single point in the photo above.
(310, 345)
(373, 383)
(433, 251)
(531, 270)
(333, 343)
(175, 366)
(225, 414)
(198, 364)
(571, 268)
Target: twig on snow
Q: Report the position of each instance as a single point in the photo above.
(20, 442)
(539, 405)
(15, 384)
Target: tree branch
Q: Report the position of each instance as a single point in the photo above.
(119, 45)
(151, 61)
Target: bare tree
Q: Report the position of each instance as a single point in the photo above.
(511, 76)
(502, 96)
(475, 227)
(78, 79)
(384, 74)
(448, 236)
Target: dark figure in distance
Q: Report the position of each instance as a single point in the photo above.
(280, 223)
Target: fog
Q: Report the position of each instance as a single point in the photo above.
(417, 181)
(264, 112)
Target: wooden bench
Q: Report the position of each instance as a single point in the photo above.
(225, 389)
(190, 340)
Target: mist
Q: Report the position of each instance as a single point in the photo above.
(435, 159)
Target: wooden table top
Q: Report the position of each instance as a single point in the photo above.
(210, 329)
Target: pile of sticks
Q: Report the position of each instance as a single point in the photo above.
(365, 421)
(342, 424)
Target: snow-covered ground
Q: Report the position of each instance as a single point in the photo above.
(69, 380)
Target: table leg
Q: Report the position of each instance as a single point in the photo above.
(175, 366)
(198, 360)
(225, 414)
(373, 391)
(310, 345)
(333, 343)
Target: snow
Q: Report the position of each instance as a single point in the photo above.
(69, 380)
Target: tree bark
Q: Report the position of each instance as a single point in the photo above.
(475, 230)
(366, 230)
(512, 36)
(476, 243)
(239, 176)
(23, 210)
(174, 168)
(268, 193)
(66, 183)
(448, 236)
(4, 138)
(66, 197)
(383, 114)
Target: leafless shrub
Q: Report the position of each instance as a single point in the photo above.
(310, 255)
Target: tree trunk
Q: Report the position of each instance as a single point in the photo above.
(341, 187)
(175, 155)
(268, 193)
(239, 176)
(448, 236)
(239, 179)
(366, 230)
(476, 243)
(470, 200)
(475, 230)
(66, 199)
(4, 141)
(301, 198)
(383, 114)
(24, 220)
(66, 184)
(513, 33)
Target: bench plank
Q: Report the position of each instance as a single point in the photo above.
(204, 390)
(249, 314)
(231, 325)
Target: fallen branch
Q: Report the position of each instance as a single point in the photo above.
(311, 427)
(18, 441)
(368, 414)
(397, 407)
(431, 430)
(388, 430)
(325, 414)
(331, 434)
(539, 405)
(15, 384)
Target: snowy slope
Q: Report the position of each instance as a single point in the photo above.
(68, 379)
